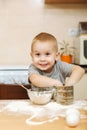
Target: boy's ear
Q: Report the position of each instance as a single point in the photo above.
(57, 56)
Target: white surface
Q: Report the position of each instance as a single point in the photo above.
(4, 67)
(10, 73)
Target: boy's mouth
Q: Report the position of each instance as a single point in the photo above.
(43, 65)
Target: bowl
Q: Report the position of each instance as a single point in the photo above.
(40, 97)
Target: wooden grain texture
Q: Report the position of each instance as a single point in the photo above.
(65, 1)
(13, 91)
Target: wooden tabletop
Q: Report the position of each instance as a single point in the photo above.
(9, 121)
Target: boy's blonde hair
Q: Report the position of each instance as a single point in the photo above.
(43, 36)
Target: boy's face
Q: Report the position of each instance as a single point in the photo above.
(44, 55)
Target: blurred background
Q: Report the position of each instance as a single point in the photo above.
(21, 20)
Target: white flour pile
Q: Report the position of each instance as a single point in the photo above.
(51, 111)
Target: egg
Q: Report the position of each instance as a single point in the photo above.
(72, 111)
(72, 117)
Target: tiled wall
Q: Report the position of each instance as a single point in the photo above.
(21, 20)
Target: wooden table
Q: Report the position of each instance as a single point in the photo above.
(17, 122)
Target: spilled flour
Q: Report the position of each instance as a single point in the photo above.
(40, 114)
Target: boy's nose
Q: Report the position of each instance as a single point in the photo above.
(42, 58)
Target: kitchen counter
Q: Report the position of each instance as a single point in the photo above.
(24, 115)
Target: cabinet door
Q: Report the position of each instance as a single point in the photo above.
(64, 1)
(12, 91)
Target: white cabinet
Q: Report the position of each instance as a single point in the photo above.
(80, 89)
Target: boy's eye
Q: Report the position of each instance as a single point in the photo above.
(47, 54)
(37, 54)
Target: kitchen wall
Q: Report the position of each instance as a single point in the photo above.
(21, 20)
(80, 89)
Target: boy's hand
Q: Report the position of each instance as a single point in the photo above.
(44, 81)
(58, 83)
(68, 82)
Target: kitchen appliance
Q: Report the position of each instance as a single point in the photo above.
(81, 45)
